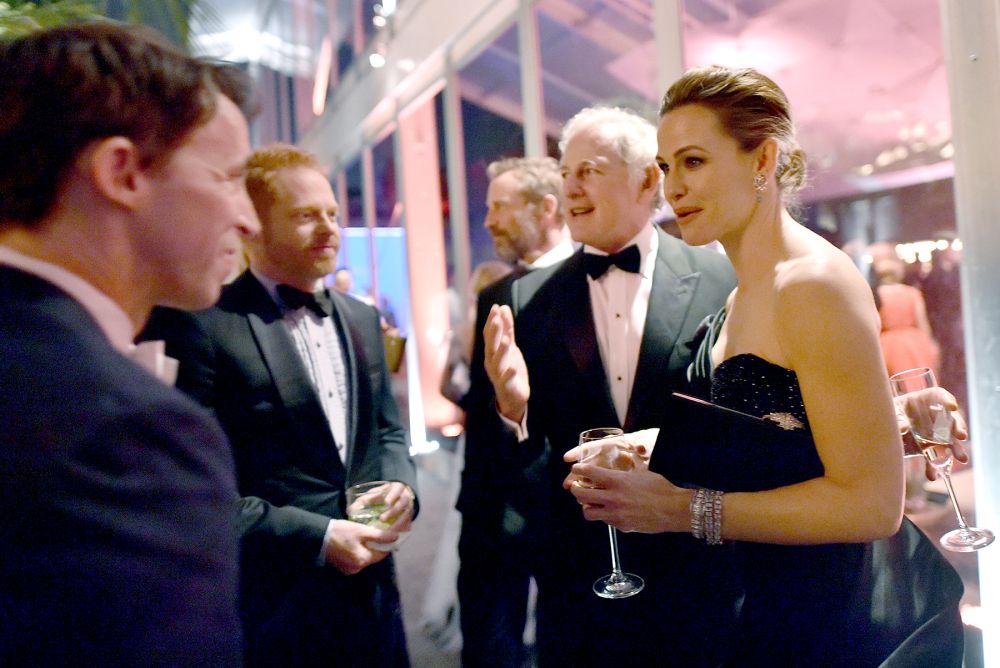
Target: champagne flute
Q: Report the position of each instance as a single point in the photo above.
(617, 584)
(932, 431)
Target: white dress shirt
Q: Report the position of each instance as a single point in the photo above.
(319, 348)
(619, 301)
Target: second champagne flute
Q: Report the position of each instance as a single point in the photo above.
(617, 584)
(932, 431)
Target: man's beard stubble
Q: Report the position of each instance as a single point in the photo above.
(527, 239)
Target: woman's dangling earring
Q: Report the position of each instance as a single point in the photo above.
(759, 184)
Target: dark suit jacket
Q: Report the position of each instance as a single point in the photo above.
(486, 476)
(686, 583)
(240, 360)
(118, 545)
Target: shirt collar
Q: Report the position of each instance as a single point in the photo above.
(557, 253)
(112, 319)
(271, 285)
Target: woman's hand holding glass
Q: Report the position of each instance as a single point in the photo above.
(620, 490)
(918, 404)
(932, 424)
(595, 447)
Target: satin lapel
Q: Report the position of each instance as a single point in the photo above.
(674, 284)
(576, 317)
(291, 380)
(349, 343)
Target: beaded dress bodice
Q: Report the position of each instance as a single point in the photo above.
(753, 385)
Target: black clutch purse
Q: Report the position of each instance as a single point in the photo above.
(702, 444)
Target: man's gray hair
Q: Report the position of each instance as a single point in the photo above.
(538, 176)
(630, 135)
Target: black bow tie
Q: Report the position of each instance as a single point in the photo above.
(294, 299)
(626, 260)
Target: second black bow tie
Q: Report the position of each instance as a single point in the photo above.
(626, 260)
(318, 303)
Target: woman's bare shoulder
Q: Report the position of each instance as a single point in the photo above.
(823, 270)
(820, 293)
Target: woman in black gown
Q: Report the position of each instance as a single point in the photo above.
(798, 343)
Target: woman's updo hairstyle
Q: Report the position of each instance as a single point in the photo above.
(751, 108)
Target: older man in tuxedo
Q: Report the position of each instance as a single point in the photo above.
(121, 187)
(297, 376)
(604, 336)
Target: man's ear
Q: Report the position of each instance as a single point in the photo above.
(550, 206)
(650, 179)
(114, 167)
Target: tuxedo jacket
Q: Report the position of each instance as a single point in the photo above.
(240, 360)
(554, 329)
(118, 544)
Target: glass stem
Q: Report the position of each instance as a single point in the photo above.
(616, 568)
(946, 472)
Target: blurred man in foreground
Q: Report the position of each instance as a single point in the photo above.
(121, 187)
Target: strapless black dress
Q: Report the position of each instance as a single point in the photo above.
(892, 603)
(798, 603)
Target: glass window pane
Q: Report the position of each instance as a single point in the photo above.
(596, 51)
(353, 209)
(387, 206)
(493, 127)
